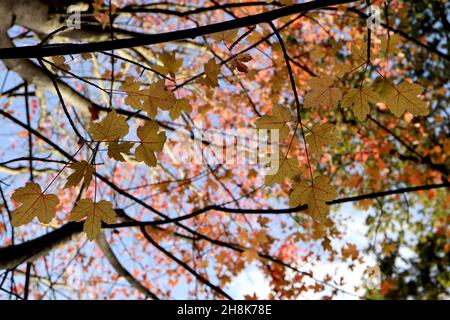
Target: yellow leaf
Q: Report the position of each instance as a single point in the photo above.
(170, 64)
(134, 96)
(278, 120)
(341, 69)
(156, 96)
(388, 248)
(351, 251)
(115, 150)
(151, 141)
(212, 70)
(94, 213)
(404, 97)
(83, 169)
(390, 45)
(260, 237)
(321, 134)
(34, 204)
(314, 195)
(250, 254)
(288, 169)
(359, 54)
(180, 106)
(322, 94)
(318, 53)
(358, 99)
(226, 36)
(111, 128)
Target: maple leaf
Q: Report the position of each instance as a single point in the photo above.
(34, 204)
(386, 286)
(322, 94)
(351, 251)
(60, 64)
(321, 134)
(250, 254)
(238, 62)
(115, 150)
(358, 100)
(390, 44)
(212, 70)
(260, 237)
(278, 120)
(111, 128)
(151, 141)
(341, 69)
(359, 54)
(314, 195)
(388, 248)
(156, 96)
(94, 213)
(404, 97)
(288, 169)
(134, 96)
(226, 36)
(180, 106)
(170, 64)
(83, 169)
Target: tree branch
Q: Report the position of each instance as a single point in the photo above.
(120, 269)
(64, 49)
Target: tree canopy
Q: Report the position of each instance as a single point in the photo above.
(160, 150)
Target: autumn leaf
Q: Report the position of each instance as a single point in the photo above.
(134, 96)
(115, 150)
(250, 254)
(180, 106)
(315, 195)
(60, 64)
(111, 128)
(260, 237)
(447, 147)
(34, 204)
(321, 134)
(83, 169)
(359, 54)
(86, 55)
(341, 69)
(322, 94)
(102, 18)
(156, 96)
(151, 141)
(225, 36)
(288, 169)
(390, 44)
(94, 213)
(372, 272)
(212, 70)
(358, 100)
(239, 62)
(405, 97)
(170, 64)
(388, 248)
(278, 120)
(351, 251)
